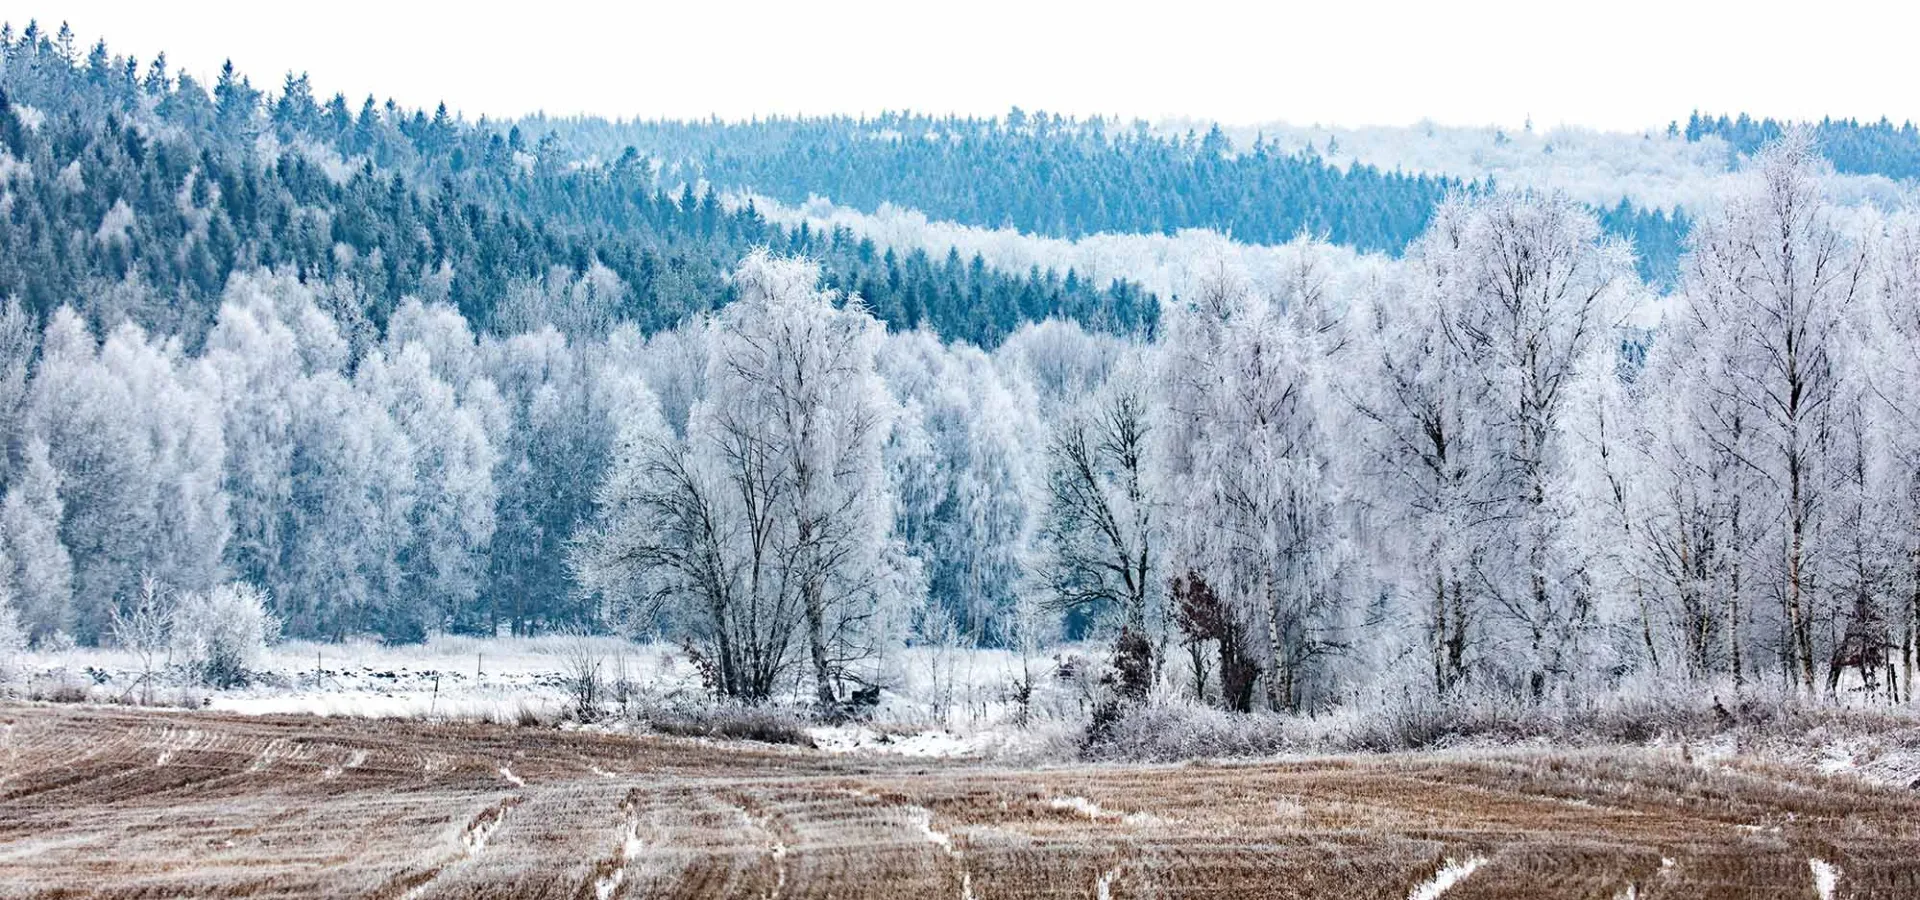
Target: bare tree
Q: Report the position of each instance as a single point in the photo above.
(1098, 537)
(145, 628)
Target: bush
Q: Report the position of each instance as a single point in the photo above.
(221, 634)
(1177, 732)
(1637, 714)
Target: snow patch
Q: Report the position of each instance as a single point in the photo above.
(938, 838)
(354, 761)
(779, 854)
(1450, 874)
(1080, 805)
(476, 837)
(630, 846)
(1826, 877)
(924, 745)
(1095, 812)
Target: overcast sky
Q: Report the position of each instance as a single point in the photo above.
(1617, 64)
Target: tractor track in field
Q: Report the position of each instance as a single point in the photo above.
(114, 802)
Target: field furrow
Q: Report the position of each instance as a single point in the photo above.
(123, 803)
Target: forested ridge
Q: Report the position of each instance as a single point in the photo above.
(1854, 147)
(1045, 174)
(136, 191)
(404, 376)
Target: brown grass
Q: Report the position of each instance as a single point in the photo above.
(122, 803)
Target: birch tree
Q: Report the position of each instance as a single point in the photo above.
(1529, 293)
(1775, 275)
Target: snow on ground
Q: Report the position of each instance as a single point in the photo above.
(1651, 168)
(1826, 877)
(1450, 874)
(453, 677)
(937, 702)
(924, 744)
(1165, 264)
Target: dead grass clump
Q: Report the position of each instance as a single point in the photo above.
(60, 688)
(526, 715)
(768, 725)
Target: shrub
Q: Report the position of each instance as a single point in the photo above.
(1132, 665)
(219, 635)
(581, 662)
(1176, 732)
(769, 725)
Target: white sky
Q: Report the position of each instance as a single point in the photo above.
(1611, 64)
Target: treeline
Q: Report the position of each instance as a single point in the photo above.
(134, 191)
(1468, 470)
(1476, 472)
(1854, 147)
(1064, 177)
(432, 479)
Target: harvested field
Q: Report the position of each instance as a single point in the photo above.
(122, 803)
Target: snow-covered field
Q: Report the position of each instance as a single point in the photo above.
(937, 702)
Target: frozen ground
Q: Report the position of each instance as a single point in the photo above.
(214, 805)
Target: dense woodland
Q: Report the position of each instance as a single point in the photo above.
(1854, 148)
(410, 376)
(137, 193)
(1044, 174)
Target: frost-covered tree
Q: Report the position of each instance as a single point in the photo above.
(965, 476)
(451, 520)
(552, 449)
(1423, 456)
(1098, 543)
(138, 445)
(39, 569)
(683, 543)
(219, 635)
(1773, 279)
(270, 343)
(793, 392)
(1701, 520)
(13, 634)
(771, 515)
(1529, 295)
(1893, 342)
(19, 341)
(143, 626)
(348, 518)
(1253, 496)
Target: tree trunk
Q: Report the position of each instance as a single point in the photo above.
(1274, 656)
(1438, 637)
(813, 594)
(1733, 605)
(1798, 620)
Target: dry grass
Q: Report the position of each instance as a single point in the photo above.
(121, 803)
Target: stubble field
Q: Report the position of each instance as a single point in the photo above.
(124, 803)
